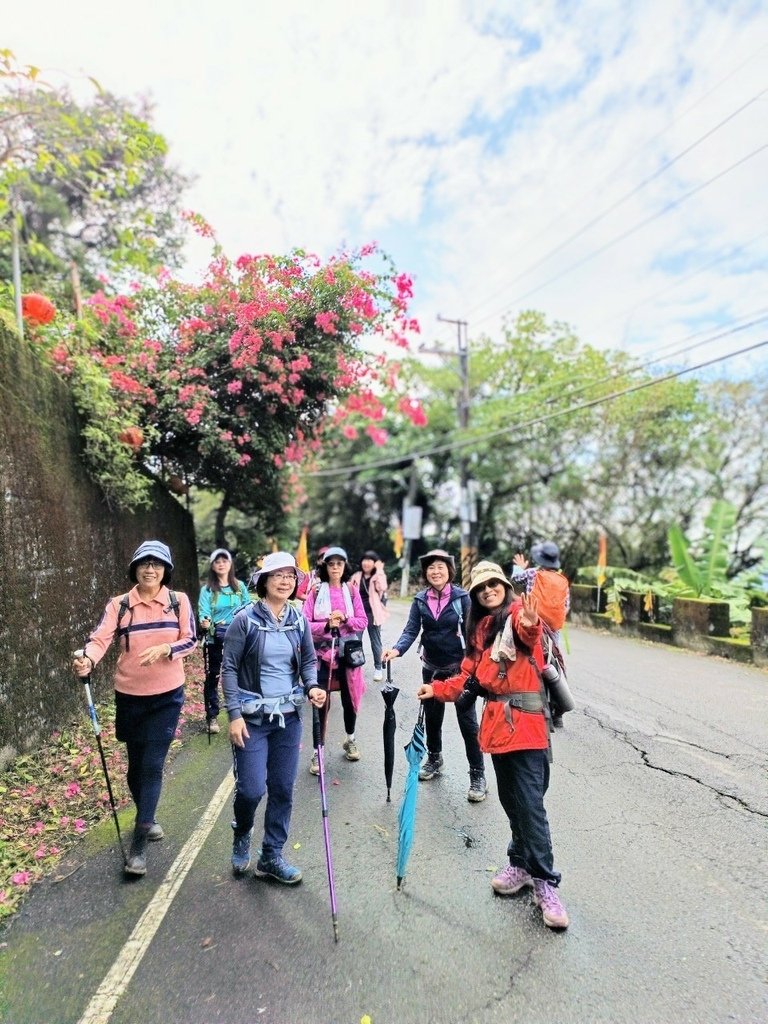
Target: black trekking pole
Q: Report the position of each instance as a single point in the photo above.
(206, 699)
(86, 681)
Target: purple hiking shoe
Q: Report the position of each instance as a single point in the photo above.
(552, 909)
(510, 880)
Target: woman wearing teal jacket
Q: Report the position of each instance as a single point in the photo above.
(221, 597)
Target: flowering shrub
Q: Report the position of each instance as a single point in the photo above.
(227, 383)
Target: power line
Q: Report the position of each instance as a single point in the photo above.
(543, 389)
(630, 231)
(621, 200)
(681, 280)
(474, 442)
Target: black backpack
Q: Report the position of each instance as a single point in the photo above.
(124, 606)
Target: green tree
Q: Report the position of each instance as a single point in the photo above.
(90, 183)
(546, 464)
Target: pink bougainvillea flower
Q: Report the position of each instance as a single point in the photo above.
(80, 825)
(21, 878)
(377, 435)
(349, 432)
(73, 789)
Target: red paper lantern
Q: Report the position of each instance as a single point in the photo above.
(37, 309)
(132, 436)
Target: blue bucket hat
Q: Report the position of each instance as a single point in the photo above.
(546, 554)
(150, 549)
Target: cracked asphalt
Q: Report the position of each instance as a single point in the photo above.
(657, 805)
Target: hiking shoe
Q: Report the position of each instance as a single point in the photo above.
(510, 880)
(137, 856)
(557, 722)
(552, 910)
(314, 765)
(350, 750)
(431, 767)
(154, 832)
(213, 727)
(241, 853)
(279, 869)
(378, 675)
(478, 788)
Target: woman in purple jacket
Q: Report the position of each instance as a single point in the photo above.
(336, 609)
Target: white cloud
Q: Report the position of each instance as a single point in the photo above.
(472, 139)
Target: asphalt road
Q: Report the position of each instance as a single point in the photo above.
(658, 809)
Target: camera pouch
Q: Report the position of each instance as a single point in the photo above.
(354, 655)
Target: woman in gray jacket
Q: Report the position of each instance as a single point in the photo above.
(268, 670)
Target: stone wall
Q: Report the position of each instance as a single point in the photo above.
(63, 551)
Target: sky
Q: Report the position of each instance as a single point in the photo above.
(602, 161)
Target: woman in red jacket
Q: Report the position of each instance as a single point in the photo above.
(503, 663)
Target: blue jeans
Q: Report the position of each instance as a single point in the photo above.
(267, 764)
(434, 713)
(374, 635)
(522, 777)
(147, 725)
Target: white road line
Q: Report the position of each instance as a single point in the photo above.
(100, 1008)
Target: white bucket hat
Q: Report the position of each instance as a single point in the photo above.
(278, 560)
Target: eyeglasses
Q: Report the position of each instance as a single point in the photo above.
(283, 576)
(491, 585)
(150, 563)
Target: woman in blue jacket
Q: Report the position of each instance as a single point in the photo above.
(439, 614)
(268, 671)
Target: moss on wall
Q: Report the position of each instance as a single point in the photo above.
(63, 552)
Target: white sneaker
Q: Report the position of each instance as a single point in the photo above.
(378, 675)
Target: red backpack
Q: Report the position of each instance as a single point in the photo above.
(550, 588)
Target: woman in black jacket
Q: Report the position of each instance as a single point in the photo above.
(439, 614)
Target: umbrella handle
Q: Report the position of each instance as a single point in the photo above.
(317, 734)
(389, 673)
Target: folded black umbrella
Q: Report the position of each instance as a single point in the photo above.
(389, 693)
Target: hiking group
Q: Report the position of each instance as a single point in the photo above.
(298, 639)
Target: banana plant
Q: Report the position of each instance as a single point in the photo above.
(705, 575)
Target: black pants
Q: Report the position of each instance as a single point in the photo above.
(147, 726)
(434, 713)
(522, 778)
(214, 651)
(340, 675)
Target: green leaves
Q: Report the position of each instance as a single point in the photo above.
(705, 574)
(684, 565)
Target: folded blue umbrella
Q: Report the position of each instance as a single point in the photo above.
(414, 753)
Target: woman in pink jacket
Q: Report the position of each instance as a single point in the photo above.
(335, 608)
(372, 584)
(155, 628)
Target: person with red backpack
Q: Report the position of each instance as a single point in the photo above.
(549, 586)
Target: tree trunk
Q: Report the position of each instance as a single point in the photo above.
(221, 517)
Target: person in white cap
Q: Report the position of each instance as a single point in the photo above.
(220, 598)
(155, 627)
(334, 605)
(268, 671)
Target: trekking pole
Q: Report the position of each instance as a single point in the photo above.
(317, 739)
(206, 700)
(86, 681)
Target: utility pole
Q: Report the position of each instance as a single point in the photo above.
(467, 510)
